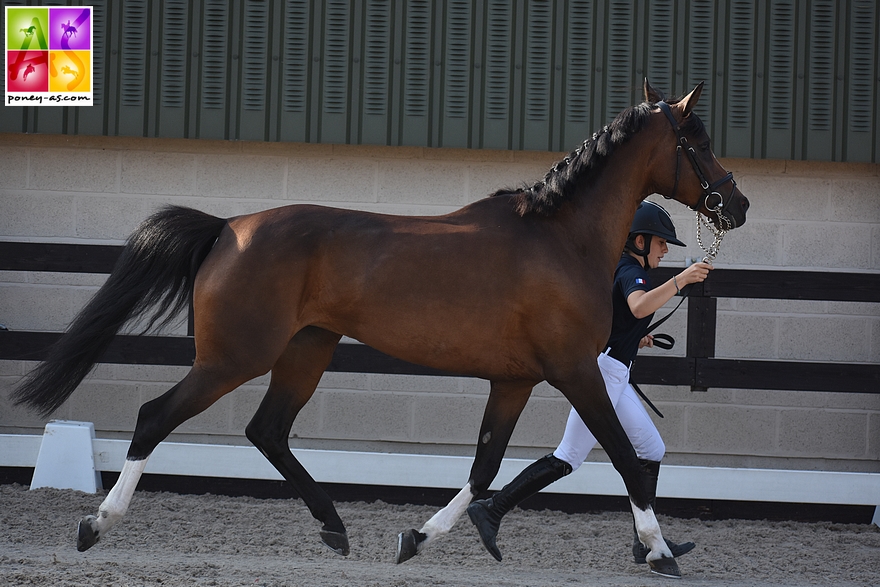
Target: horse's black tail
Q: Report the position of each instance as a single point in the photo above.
(157, 267)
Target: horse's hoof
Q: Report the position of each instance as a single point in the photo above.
(408, 545)
(640, 551)
(666, 567)
(336, 541)
(87, 533)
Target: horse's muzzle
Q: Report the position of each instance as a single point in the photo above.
(733, 209)
(735, 212)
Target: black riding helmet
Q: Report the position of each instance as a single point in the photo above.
(651, 220)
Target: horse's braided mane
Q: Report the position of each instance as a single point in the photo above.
(547, 196)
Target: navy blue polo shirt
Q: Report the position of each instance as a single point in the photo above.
(626, 329)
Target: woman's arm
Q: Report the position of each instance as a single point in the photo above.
(645, 303)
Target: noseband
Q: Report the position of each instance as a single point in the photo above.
(709, 190)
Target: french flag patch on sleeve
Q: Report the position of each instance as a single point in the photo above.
(640, 281)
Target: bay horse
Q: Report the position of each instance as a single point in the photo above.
(514, 288)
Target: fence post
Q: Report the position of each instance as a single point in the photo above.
(700, 330)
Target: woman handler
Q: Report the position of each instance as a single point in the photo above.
(634, 304)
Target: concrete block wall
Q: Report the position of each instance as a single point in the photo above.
(812, 216)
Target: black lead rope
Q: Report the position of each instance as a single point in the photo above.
(664, 341)
(644, 397)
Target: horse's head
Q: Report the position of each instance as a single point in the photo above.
(701, 182)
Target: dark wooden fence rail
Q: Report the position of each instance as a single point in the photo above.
(698, 369)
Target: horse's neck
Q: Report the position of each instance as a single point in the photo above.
(606, 203)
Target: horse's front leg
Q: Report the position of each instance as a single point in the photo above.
(505, 404)
(586, 391)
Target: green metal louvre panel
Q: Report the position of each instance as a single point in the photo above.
(376, 75)
(789, 79)
(93, 120)
(660, 48)
(781, 61)
(620, 78)
(740, 121)
(336, 62)
(576, 63)
(255, 59)
(296, 70)
(214, 63)
(457, 77)
(538, 77)
(862, 81)
(818, 120)
(497, 60)
(702, 54)
(174, 69)
(134, 63)
(418, 68)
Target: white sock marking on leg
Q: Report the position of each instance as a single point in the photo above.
(649, 532)
(116, 503)
(443, 521)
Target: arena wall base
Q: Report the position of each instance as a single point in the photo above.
(410, 470)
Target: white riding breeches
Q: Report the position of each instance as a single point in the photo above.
(578, 441)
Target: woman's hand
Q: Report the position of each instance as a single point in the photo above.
(694, 274)
(647, 341)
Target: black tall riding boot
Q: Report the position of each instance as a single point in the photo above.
(640, 551)
(486, 514)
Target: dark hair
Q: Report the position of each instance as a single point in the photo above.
(547, 196)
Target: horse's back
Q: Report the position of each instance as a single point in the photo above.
(429, 289)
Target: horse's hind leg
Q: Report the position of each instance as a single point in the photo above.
(294, 379)
(156, 419)
(506, 402)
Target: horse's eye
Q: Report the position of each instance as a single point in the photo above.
(706, 146)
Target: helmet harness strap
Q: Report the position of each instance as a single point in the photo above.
(648, 238)
(643, 251)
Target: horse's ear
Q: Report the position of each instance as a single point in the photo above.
(652, 95)
(688, 102)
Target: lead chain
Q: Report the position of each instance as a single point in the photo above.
(718, 233)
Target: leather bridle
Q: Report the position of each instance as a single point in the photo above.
(710, 190)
